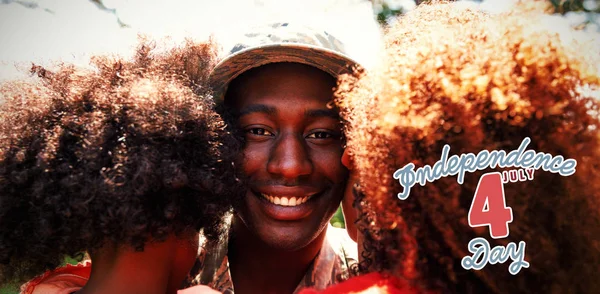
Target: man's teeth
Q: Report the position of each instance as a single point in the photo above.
(285, 201)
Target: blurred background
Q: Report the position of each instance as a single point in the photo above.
(50, 31)
(43, 31)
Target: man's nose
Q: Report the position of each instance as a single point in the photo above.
(290, 158)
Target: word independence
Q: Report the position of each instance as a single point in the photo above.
(469, 162)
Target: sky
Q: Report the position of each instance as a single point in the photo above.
(47, 31)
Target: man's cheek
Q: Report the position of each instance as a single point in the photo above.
(252, 157)
(330, 163)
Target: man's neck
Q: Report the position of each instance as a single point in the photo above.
(257, 268)
(158, 269)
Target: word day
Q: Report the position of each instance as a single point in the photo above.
(483, 254)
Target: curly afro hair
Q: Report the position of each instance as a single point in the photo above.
(455, 75)
(127, 152)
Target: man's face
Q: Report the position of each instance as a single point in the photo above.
(292, 155)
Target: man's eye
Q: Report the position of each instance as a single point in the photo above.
(321, 135)
(259, 132)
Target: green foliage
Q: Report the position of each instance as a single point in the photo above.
(386, 12)
(564, 6)
(338, 219)
(74, 259)
(9, 289)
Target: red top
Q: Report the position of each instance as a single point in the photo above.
(200, 289)
(64, 280)
(368, 283)
(71, 278)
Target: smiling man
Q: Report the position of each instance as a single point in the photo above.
(278, 82)
(292, 153)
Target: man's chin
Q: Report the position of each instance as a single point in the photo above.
(285, 237)
(290, 242)
(286, 228)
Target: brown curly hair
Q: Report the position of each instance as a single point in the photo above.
(455, 75)
(127, 152)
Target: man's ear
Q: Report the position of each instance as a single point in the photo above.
(350, 213)
(346, 159)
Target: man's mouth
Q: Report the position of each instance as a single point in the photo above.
(285, 200)
(288, 203)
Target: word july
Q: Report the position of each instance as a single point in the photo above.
(517, 175)
(483, 254)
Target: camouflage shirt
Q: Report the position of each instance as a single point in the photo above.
(335, 262)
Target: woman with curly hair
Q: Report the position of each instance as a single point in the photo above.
(454, 75)
(127, 162)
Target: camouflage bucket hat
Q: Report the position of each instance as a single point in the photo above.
(281, 42)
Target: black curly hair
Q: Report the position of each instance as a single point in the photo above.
(455, 75)
(127, 152)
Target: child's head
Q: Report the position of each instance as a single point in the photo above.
(124, 154)
(457, 76)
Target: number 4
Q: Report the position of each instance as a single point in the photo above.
(489, 206)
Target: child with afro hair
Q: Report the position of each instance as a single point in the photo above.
(127, 161)
(458, 76)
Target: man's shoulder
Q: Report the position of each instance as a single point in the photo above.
(337, 261)
(341, 243)
(211, 266)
